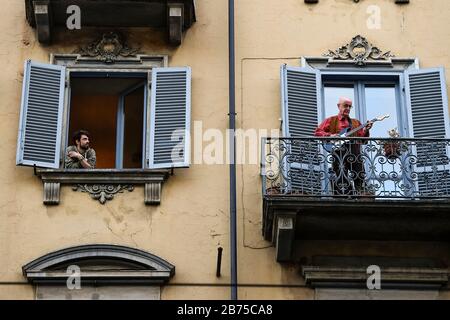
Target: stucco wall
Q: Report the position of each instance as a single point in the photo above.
(191, 221)
(272, 33)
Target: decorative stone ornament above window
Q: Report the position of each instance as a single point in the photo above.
(359, 53)
(359, 50)
(174, 15)
(100, 264)
(108, 48)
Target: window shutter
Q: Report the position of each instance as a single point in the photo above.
(170, 111)
(428, 116)
(39, 138)
(301, 105)
(300, 94)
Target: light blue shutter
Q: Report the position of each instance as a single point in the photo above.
(170, 111)
(300, 95)
(39, 138)
(301, 104)
(428, 116)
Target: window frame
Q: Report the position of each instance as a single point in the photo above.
(75, 63)
(359, 82)
(395, 71)
(121, 123)
(146, 81)
(358, 76)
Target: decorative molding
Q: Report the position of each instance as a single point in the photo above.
(51, 192)
(102, 192)
(103, 184)
(108, 48)
(391, 277)
(392, 64)
(152, 193)
(175, 22)
(95, 262)
(359, 50)
(138, 63)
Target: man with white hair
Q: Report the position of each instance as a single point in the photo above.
(347, 163)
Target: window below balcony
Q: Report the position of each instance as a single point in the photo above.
(371, 99)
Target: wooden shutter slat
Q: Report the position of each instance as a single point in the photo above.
(300, 94)
(39, 137)
(428, 107)
(170, 113)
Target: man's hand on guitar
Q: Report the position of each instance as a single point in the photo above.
(369, 125)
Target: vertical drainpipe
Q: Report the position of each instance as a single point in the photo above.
(232, 127)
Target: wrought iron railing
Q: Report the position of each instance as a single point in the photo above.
(373, 168)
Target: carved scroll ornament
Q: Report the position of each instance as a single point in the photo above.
(110, 47)
(360, 51)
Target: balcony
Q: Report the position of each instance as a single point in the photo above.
(174, 15)
(360, 189)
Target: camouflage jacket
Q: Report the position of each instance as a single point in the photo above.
(71, 163)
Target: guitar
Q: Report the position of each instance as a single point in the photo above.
(346, 132)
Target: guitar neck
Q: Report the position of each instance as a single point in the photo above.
(359, 128)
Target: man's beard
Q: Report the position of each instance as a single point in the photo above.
(85, 147)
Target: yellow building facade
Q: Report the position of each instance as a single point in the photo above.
(164, 231)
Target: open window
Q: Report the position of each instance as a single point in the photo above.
(137, 119)
(112, 108)
(373, 96)
(416, 101)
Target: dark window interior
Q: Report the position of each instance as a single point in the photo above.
(132, 138)
(94, 106)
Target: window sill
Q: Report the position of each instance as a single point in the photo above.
(103, 184)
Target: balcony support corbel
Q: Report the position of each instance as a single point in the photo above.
(152, 193)
(43, 20)
(285, 235)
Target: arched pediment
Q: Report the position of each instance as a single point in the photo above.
(100, 263)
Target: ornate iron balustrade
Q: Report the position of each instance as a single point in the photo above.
(397, 168)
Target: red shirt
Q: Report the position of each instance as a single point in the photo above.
(323, 130)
